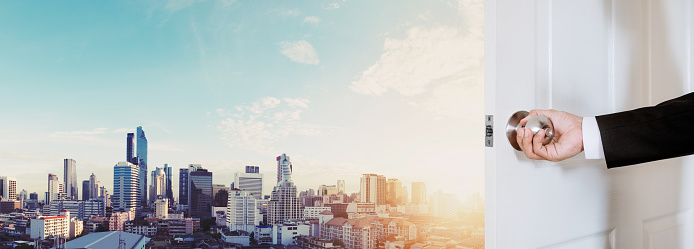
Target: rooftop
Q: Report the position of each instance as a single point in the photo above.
(106, 240)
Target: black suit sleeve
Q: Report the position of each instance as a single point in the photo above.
(650, 133)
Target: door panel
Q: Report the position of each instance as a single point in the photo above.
(588, 57)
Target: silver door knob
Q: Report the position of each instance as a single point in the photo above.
(535, 123)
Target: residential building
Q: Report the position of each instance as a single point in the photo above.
(286, 233)
(142, 164)
(242, 213)
(284, 204)
(184, 226)
(126, 190)
(56, 189)
(44, 226)
(419, 193)
(444, 205)
(324, 190)
(313, 212)
(364, 232)
(263, 235)
(10, 206)
(8, 188)
(142, 227)
(118, 219)
(373, 189)
(79, 209)
(311, 242)
(161, 208)
(70, 178)
(251, 180)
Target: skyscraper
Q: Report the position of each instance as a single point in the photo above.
(405, 196)
(183, 186)
(284, 203)
(283, 170)
(250, 181)
(85, 190)
(419, 193)
(55, 189)
(158, 184)
(394, 191)
(373, 189)
(220, 195)
(70, 178)
(126, 186)
(8, 188)
(93, 187)
(130, 149)
(200, 193)
(169, 188)
(142, 163)
(340, 186)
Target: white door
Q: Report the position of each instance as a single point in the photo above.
(587, 57)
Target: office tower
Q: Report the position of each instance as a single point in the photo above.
(103, 194)
(200, 193)
(34, 196)
(183, 186)
(340, 186)
(85, 190)
(142, 164)
(126, 186)
(70, 178)
(220, 195)
(250, 181)
(93, 187)
(23, 195)
(130, 149)
(405, 198)
(327, 190)
(373, 189)
(242, 213)
(284, 203)
(444, 205)
(394, 191)
(158, 183)
(169, 188)
(55, 189)
(419, 193)
(283, 170)
(8, 188)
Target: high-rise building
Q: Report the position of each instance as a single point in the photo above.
(242, 213)
(70, 178)
(158, 184)
(419, 193)
(56, 189)
(444, 205)
(340, 186)
(183, 186)
(394, 191)
(200, 193)
(405, 196)
(251, 181)
(130, 149)
(33, 196)
(161, 208)
(220, 195)
(284, 203)
(169, 186)
(8, 188)
(126, 186)
(373, 189)
(23, 195)
(327, 190)
(93, 187)
(283, 170)
(142, 164)
(85, 190)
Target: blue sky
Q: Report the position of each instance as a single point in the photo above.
(343, 87)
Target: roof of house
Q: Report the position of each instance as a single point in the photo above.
(106, 240)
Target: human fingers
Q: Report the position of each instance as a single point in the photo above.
(539, 148)
(526, 144)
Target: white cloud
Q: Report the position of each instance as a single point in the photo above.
(433, 67)
(258, 125)
(333, 5)
(313, 20)
(300, 52)
(289, 12)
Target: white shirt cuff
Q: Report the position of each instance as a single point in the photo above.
(592, 142)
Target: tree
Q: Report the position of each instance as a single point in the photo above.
(337, 242)
(207, 223)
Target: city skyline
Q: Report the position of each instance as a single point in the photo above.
(227, 86)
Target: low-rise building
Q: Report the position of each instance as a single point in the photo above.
(110, 239)
(263, 235)
(141, 227)
(117, 220)
(44, 226)
(287, 232)
(313, 212)
(310, 242)
(364, 232)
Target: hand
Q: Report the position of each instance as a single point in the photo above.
(567, 141)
